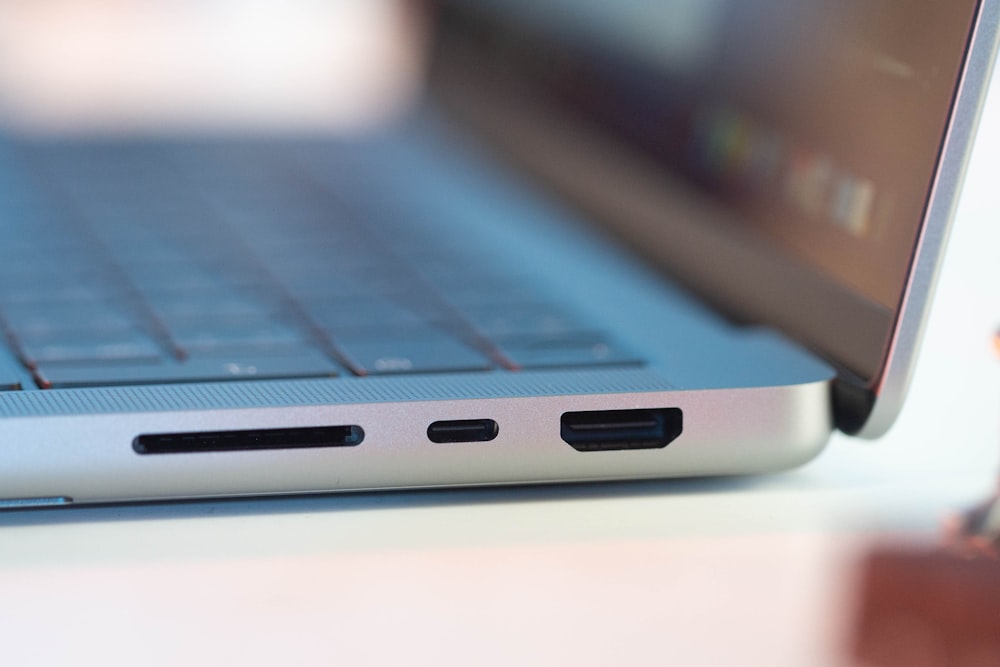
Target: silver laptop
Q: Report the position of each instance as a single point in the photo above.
(609, 241)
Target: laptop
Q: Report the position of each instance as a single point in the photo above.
(608, 241)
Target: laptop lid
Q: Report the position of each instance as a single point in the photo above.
(796, 165)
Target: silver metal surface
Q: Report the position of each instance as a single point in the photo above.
(89, 458)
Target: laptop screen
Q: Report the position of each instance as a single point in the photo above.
(818, 124)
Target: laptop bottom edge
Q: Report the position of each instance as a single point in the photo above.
(143, 456)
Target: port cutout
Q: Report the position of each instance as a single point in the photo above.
(463, 430)
(609, 430)
(250, 440)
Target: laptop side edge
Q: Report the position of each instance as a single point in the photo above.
(869, 413)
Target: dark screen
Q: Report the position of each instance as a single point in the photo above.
(819, 122)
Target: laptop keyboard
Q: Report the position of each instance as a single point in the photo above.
(152, 263)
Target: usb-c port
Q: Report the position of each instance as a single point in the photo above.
(463, 430)
(607, 430)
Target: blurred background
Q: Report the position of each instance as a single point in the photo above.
(124, 65)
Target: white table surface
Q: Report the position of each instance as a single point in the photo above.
(691, 572)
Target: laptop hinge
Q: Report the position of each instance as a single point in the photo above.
(853, 401)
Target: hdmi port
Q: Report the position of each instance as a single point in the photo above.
(251, 440)
(608, 430)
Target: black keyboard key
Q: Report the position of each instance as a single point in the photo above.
(109, 346)
(187, 306)
(426, 355)
(10, 379)
(25, 292)
(229, 336)
(330, 283)
(293, 366)
(339, 315)
(59, 316)
(530, 319)
(570, 350)
(381, 332)
(9, 382)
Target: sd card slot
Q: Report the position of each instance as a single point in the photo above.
(249, 440)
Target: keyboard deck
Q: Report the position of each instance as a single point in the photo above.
(142, 263)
